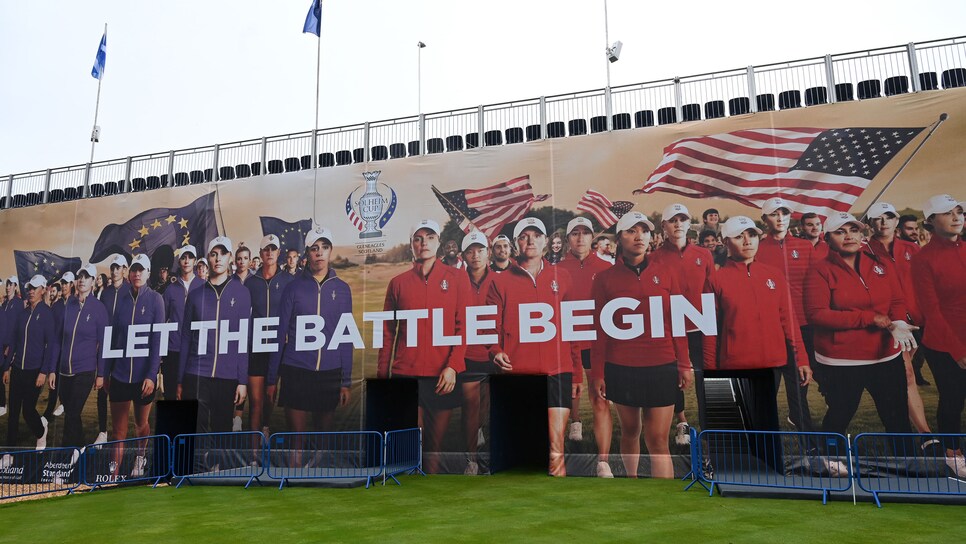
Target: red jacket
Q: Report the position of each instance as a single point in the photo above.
(939, 271)
(446, 288)
(792, 257)
(516, 286)
(582, 273)
(478, 293)
(693, 266)
(819, 250)
(842, 303)
(901, 256)
(755, 323)
(621, 281)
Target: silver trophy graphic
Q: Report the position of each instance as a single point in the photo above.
(370, 206)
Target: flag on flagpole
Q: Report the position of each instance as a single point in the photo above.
(489, 208)
(816, 170)
(290, 235)
(606, 212)
(97, 72)
(313, 21)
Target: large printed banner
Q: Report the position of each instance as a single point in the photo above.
(367, 299)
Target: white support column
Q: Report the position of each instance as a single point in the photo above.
(830, 79)
(127, 177)
(9, 192)
(315, 149)
(171, 169)
(480, 129)
(264, 159)
(543, 118)
(365, 143)
(422, 133)
(86, 191)
(678, 100)
(913, 67)
(608, 109)
(752, 90)
(214, 166)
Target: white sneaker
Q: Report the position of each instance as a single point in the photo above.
(42, 441)
(75, 456)
(480, 439)
(576, 431)
(101, 438)
(236, 424)
(683, 436)
(6, 461)
(59, 411)
(957, 464)
(472, 469)
(3, 411)
(139, 463)
(43, 421)
(603, 470)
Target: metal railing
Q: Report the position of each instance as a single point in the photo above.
(132, 460)
(316, 456)
(236, 455)
(31, 472)
(911, 464)
(404, 453)
(914, 67)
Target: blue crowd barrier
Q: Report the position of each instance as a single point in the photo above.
(790, 460)
(912, 464)
(130, 460)
(313, 456)
(237, 455)
(404, 453)
(32, 472)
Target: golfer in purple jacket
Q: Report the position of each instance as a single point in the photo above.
(175, 297)
(215, 339)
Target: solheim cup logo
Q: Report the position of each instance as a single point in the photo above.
(369, 214)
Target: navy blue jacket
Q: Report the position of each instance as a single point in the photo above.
(147, 308)
(34, 344)
(175, 297)
(233, 305)
(80, 346)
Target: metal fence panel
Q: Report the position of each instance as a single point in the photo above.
(913, 464)
(32, 472)
(130, 460)
(314, 456)
(238, 455)
(404, 453)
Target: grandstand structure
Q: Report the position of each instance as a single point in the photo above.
(812, 82)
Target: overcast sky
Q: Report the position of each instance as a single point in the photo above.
(187, 73)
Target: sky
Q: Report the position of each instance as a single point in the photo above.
(188, 73)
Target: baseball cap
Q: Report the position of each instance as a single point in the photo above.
(940, 204)
(840, 219)
(201, 261)
(675, 209)
(475, 237)
(270, 240)
(186, 249)
(579, 221)
(141, 260)
(881, 208)
(630, 219)
(425, 224)
(13, 279)
(316, 234)
(37, 281)
(222, 241)
(736, 225)
(774, 204)
(88, 269)
(68, 277)
(119, 260)
(503, 237)
(529, 222)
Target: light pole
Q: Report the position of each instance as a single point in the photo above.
(419, 76)
(612, 53)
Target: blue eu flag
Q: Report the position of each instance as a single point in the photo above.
(49, 265)
(290, 235)
(313, 21)
(97, 72)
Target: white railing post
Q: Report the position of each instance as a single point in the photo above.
(365, 143)
(752, 91)
(543, 117)
(9, 192)
(422, 134)
(171, 169)
(46, 186)
(830, 79)
(678, 100)
(608, 109)
(127, 177)
(85, 192)
(214, 167)
(480, 129)
(913, 67)
(264, 160)
(315, 149)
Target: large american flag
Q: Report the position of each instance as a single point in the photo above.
(601, 207)
(489, 208)
(816, 170)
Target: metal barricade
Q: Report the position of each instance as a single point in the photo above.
(131, 460)
(790, 460)
(316, 456)
(238, 455)
(913, 464)
(404, 453)
(32, 472)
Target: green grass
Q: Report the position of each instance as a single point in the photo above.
(509, 507)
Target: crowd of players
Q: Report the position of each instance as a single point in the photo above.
(852, 306)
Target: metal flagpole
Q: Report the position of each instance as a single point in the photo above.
(97, 107)
(315, 131)
(942, 117)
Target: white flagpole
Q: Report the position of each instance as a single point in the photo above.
(97, 107)
(315, 131)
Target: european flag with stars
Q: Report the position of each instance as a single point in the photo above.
(291, 235)
(313, 21)
(49, 265)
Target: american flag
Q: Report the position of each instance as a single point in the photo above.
(489, 208)
(606, 212)
(816, 170)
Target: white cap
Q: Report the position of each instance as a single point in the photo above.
(222, 241)
(474, 237)
(88, 269)
(502, 237)
(839, 219)
(68, 277)
(675, 209)
(119, 260)
(270, 240)
(315, 234)
(940, 204)
(881, 208)
(774, 204)
(14, 280)
(141, 260)
(425, 224)
(580, 222)
(630, 219)
(37, 281)
(529, 222)
(185, 249)
(201, 261)
(736, 225)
